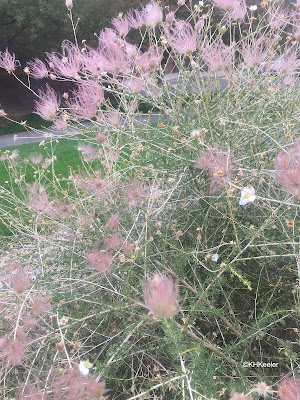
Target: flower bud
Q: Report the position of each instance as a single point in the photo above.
(69, 4)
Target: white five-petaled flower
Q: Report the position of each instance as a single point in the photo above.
(253, 8)
(215, 257)
(201, 3)
(63, 321)
(247, 195)
(84, 367)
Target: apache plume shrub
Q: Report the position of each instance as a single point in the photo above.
(179, 183)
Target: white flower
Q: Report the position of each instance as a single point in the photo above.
(63, 321)
(84, 367)
(262, 389)
(201, 3)
(253, 8)
(215, 257)
(195, 134)
(247, 195)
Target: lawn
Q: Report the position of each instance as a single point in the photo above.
(66, 155)
(32, 120)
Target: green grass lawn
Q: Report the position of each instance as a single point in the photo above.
(32, 120)
(65, 151)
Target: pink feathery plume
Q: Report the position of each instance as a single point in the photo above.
(149, 60)
(30, 392)
(89, 152)
(239, 12)
(289, 63)
(38, 69)
(161, 296)
(239, 396)
(86, 100)
(135, 194)
(289, 388)
(153, 14)
(287, 164)
(182, 37)
(127, 248)
(67, 65)
(8, 61)
(113, 222)
(135, 85)
(219, 163)
(256, 51)
(227, 5)
(137, 20)
(48, 104)
(296, 25)
(217, 56)
(99, 260)
(277, 17)
(36, 158)
(114, 118)
(60, 124)
(41, 305)
(121, 25)
(112, 242)
(20, 281)
(112, 58)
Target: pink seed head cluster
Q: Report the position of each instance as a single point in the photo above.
(161, 296)
(239, 12)
(277, 17)
(71, 385)
(227, 5)
(20, 281)
(13, 349)
(217, 56)
(135, 194)
(36, 158)
(239, 396)
(136, 19)
(68, 65)
(41, 305)
(149, 60)
(127, 248)
(153, 15)
(182, 37)
(256, 51)
(38, 69)
(219, 163)
(113, 222)
(99, 260)
(8, 61)
(287, 164)
(121, 25)
(48, 104)
(289, 388)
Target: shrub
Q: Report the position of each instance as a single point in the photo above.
(194, 205)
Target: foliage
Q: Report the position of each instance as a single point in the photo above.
(170, 255)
